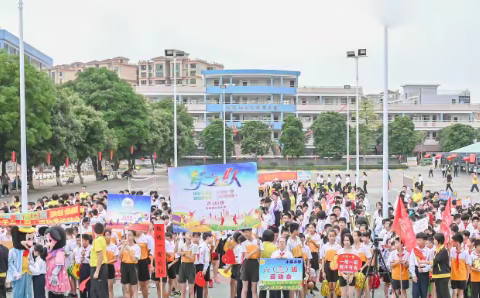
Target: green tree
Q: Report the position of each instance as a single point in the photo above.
(212, 139)
(402, 137)
(366, 110)
(367, 136)
(293, 137)
(256, 138)
(455, 136)
(329, 134)
(124, 111)
(39, 98)
(185, 140)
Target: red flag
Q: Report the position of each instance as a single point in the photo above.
(67, 162)
(111, 154)
(48, 158)
(131, 149)
(100, 155)
(447, 221)
(403, 226)
(154, 155)
(260, 158)
(14, 156)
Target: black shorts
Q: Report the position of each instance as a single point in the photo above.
(171, 274)
(396, 284)
(235, 272)
(199, 267)
(111, 271)
(385, 275)
(458, 284)
(187, 273)
(143, 272)
(343, 282)
(330, 275)
(250, 270)
(368, 269)
(177, 266)
(129, 274)
(314, 261)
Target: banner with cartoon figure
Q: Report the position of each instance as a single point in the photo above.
(127, 211)
(215, 197)
(281, 274)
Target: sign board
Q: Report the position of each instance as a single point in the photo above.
(420, 225)
(304, 175)
(445, 195)
(124, 211)
(215, 197)
(281, 176)
(408, 181)
(52, 216)
(349, 263)
(281, 274)
(412, 161)
(160, 257)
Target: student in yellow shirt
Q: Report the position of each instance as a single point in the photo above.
(112, 256)
(474, 182)
(460, 260)
(98, 264)
(130, 254)
(398, 260)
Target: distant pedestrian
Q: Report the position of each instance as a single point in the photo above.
(5, 184)
(420, 182)
(444, 169)
(365, 182)
(436, 163)
(449, 180)
(455, 170)
(474, 182)
(430, 173)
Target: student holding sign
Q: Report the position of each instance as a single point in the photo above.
(346, 276)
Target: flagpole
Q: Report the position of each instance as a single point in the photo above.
(23, 126)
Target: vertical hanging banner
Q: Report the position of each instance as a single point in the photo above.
(14, 156)
(154, 155)
(111, 154)
(131, 149)
(160, 257)
(100, 156)
(214, 197)
(48, 158)
(67, 161)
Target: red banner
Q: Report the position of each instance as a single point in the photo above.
(131, 149)
(47, 217)
(349, 263)
(111, 154)
(267, 177)
(48, 158)
(100, 156)
(14, 156)
(154, 155)
(160, 257)
(402, 225)
(447, 221)
(67, 161)
(472, 157)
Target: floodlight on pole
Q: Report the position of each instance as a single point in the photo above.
(224, 87)
(362, 53)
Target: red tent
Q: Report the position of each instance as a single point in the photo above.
(466, 158)
(427, 155)
(438, 156)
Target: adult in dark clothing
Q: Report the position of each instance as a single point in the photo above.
(441, 267)
(455, 170)
(286, 202)
(3, 270)
(449, 180)
(5, 184)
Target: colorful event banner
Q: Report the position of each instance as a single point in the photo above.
(214, 197)
(45, 217)
(304, 175)
(269, 177)
(128, 212)
(445, 195)
(160, 257)
(281, 274)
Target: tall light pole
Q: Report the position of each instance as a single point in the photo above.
(23, 126)
(385, 124)
(224, 87)
(174, 54)
(362, 53)
(348, 135)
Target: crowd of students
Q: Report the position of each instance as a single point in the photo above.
(316, 221)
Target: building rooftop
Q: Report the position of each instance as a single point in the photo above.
(5, 35)
(251, 72)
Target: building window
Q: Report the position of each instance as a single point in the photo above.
(245, 83)
(143, 67)
(150, 82)
(292, 83)
(216, 82)
(193, 73)
(454, 101)
(60, 73)
(160, 82)
(79, 70)
(143, 74)
(193, 81)
(209, 68)
(159, 70)
(150, 74)
(193, 65)
(434, 134)
(177, 69)
(97, 65)
(179, 82)
(143, 82)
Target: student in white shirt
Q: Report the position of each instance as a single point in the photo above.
(112, 257)
(82, 257)
(39, 269)
(281, 253)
